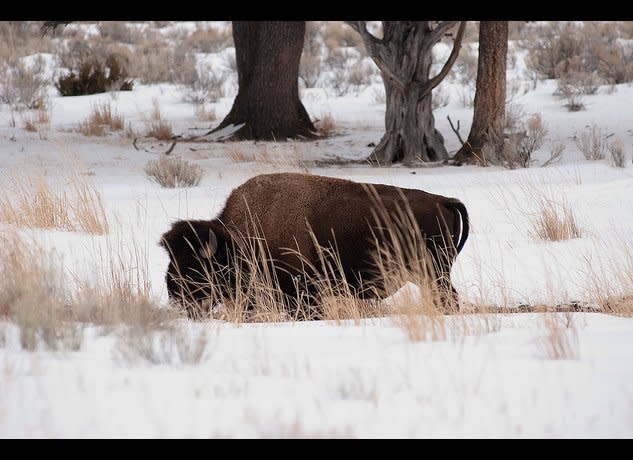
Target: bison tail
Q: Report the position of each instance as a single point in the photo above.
(460, 214)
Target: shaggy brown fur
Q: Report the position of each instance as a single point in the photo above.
(284, 209)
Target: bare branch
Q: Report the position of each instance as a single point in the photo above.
(51, 26)
(377, 50)
(436, 34)
(457, 44)
(455, 130)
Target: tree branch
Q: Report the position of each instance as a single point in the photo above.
(457, 44)
(51, 26)
(436, 34)
(455, 130)
(377, 51)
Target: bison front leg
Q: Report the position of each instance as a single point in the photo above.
(447, 297)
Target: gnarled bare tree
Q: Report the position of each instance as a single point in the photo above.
(404, 57)
(490, 93)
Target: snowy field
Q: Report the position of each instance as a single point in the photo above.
(484, 375)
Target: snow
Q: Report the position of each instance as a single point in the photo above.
(489, 377)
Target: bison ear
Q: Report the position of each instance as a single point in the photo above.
(208, 248)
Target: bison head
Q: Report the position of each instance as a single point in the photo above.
(196, 249)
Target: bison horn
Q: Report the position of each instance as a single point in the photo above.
(209, 248)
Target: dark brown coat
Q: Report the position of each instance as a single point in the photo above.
(285, 206)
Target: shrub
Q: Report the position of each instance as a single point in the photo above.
(174, 172)
(616, 151)
(558, 48)
(100, 118)
(95, 76)
(23, 86)
(592, 144)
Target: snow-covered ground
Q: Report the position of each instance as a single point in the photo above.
(490, 376)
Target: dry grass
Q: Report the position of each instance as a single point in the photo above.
(35, 121)
(174, 172)
(281, 155)
(610, 281)
(208, 39)
(170, 345)
(33, 202)
(616, 152)
(554, 221)
(158, 127)
(593, 144)
(560, 340)
(51, 307)
(337, 34)
(326, 125)
(101, 118)
(32, 295)
(205, 113)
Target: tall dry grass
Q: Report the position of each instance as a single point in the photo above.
(554, 220)
(33, 296)
(158, 127)
(558, 337)
(51, 306)
(101, 117)
(32, 200)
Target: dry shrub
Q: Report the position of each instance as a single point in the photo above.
(616, 152)
(554, 219)
(100, 118)
(158, 127)
(33, 202)
(23, 38)
(523, 138)
(158, 62)
(205, 113)
(208, 39)
(174, 172)
(325, 125)
(559, 48)
(23, 86)
(593, 144)
(122, 32)
(337, 34)
(95, 75)
(207, 86)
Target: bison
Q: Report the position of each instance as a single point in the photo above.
(304, 227)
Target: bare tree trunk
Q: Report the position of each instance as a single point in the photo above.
(490, 93)
(410, 132)
(267, 55)
(404, 57)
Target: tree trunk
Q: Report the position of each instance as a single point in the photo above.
(490, 93)
(410, 133)
(267, 55)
